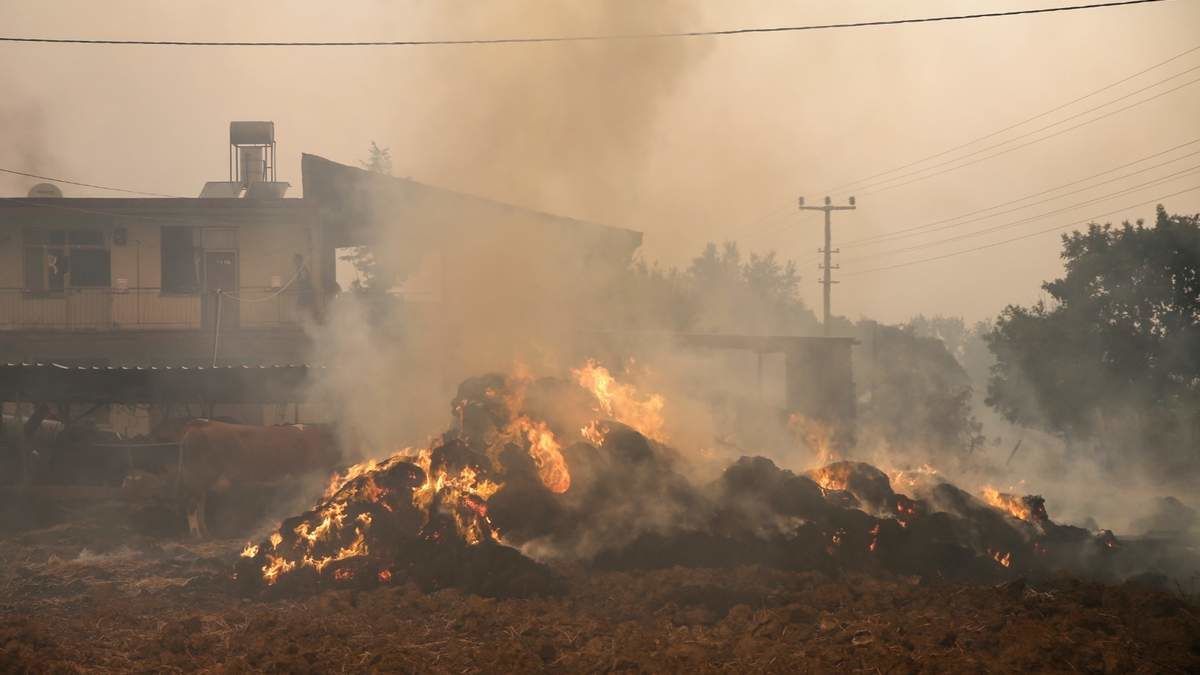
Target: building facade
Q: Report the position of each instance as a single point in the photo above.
(157, 281)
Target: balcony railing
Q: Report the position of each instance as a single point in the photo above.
(106, 309)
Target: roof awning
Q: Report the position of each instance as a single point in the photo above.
(53, 382)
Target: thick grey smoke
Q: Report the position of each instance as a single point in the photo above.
(24, 139)
(558, 124)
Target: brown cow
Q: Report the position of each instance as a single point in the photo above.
(214, 455)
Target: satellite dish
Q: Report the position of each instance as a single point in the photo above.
(45, 190)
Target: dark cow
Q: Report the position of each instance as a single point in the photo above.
(215, 455)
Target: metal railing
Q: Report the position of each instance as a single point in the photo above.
(112, 309)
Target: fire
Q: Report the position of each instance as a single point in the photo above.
(874, 539)
(452, 494)
(336, 530)
(547, 455)
(594, 432)
(817, 435)
(622, 402)
(449, 493)
(337, 480)
(910, 478)
(833, 477)
(1004, 559)
(905, 506)
(276, 567)
(1030, 509)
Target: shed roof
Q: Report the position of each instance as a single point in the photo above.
(75, 211)
(148, 384)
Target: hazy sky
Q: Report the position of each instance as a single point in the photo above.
(688, 140)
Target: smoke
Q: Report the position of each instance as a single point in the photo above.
(553, 124)
(562, 126)
(24, 138)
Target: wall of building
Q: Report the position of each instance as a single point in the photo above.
(145, 306)
(135, 299)
(267, 257)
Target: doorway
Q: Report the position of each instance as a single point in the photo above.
(220, 274)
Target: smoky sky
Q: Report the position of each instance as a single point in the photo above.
(688, 140)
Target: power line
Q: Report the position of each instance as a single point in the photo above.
(1023, 236)
(976, 233)
(89, 185)
(1027, 120)
(580, 38)
(930, 226)
(841, 189)
(882, 187)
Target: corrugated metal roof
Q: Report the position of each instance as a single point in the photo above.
(57, 382)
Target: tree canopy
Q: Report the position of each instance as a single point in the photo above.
(367, 271)
(721, 291)
(1114, 356)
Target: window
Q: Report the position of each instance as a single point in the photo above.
(180, 259)
(59, 259)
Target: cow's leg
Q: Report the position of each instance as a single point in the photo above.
(193, 520)
(195, 516)
(200, 514)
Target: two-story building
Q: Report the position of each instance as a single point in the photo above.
(237, 275)
(164, 281)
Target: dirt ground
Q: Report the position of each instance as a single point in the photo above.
(82, 597)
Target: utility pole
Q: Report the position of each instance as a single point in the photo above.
(827, 282)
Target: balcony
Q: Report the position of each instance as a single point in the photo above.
(108, 309)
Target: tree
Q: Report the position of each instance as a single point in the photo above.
(719, 292)
(758, 295)
(965, 343)
(1114, 357)
(379, 160)
(917, 399)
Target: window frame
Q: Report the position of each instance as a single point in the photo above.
(195, 234)
(59, 239)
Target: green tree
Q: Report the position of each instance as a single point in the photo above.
(1113, 360)
(916, 397)
(754, 295)
(719, 292)
(379, 160)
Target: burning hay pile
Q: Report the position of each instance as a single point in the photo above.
(580, 471)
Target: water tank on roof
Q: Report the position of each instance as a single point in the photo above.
(251, 152)
(45, 190)
(252, 133)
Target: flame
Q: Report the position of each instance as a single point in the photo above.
(337, 480)
(817, 435)
(622, 402)
(463, 496)
(874, 538)
(453, 499)
(1004, 559)
(594, 432)
(276, 567)
(911, 478)
(547, 455)
(1010, 504)
(833, 477)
